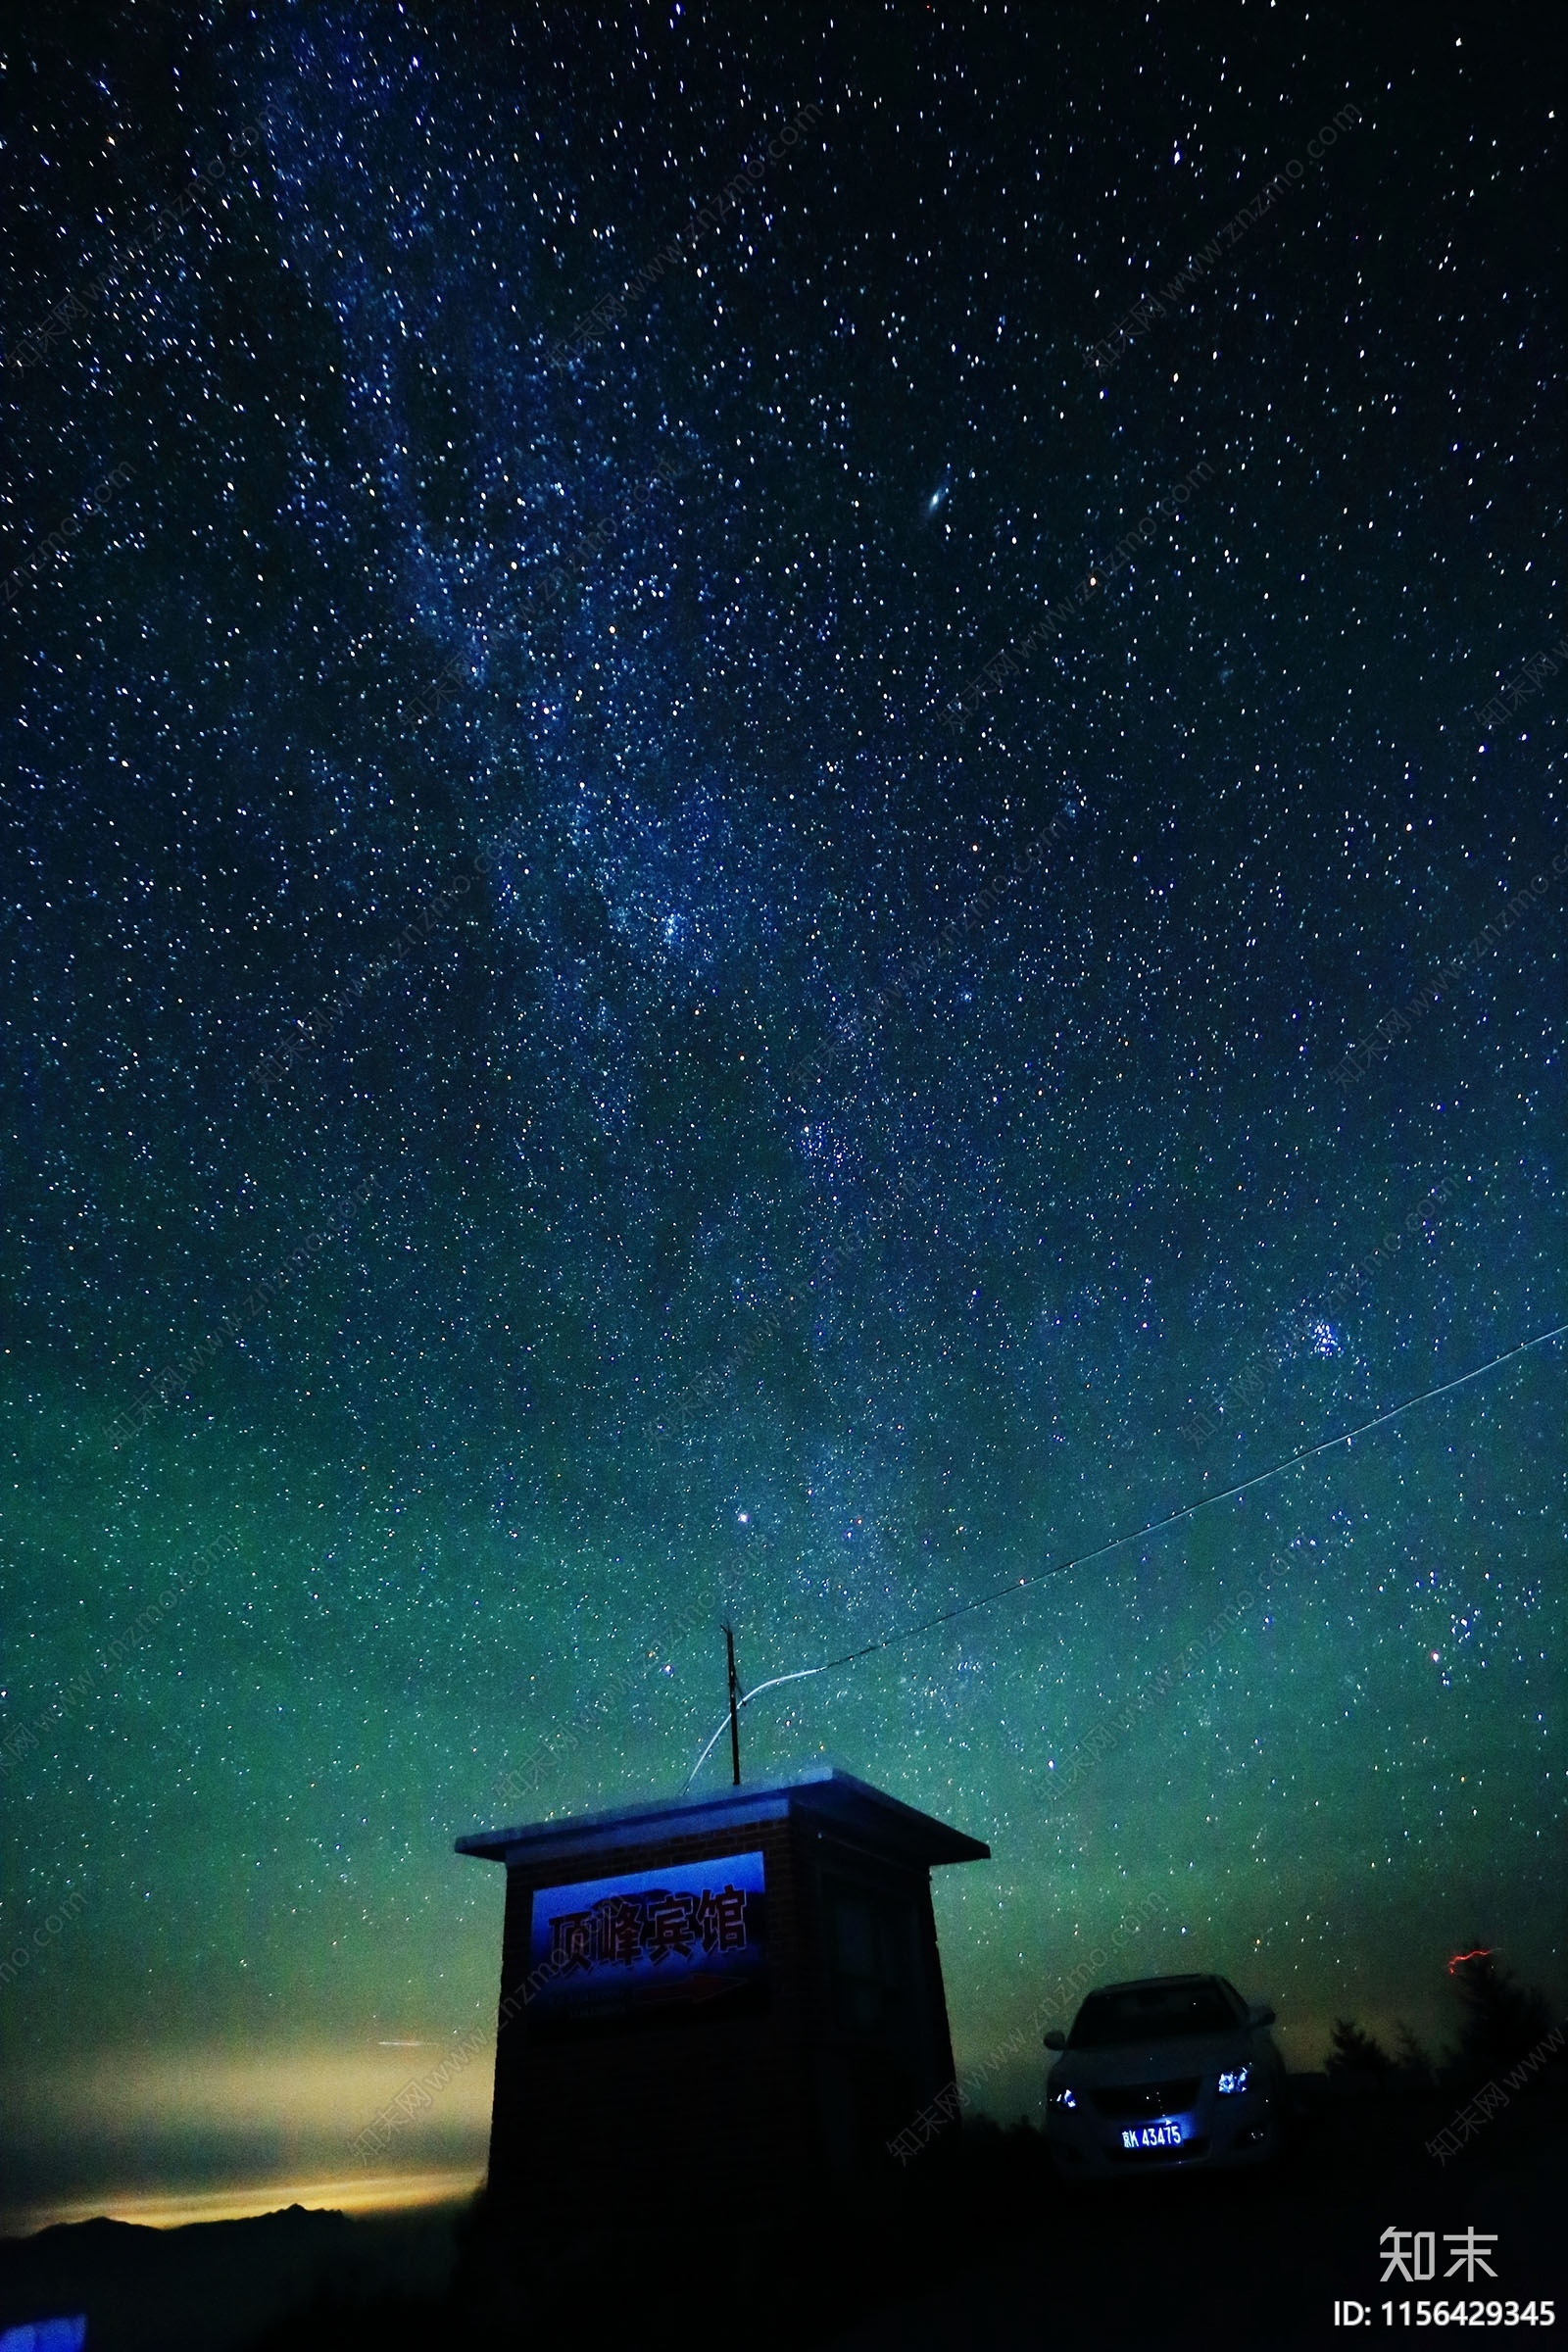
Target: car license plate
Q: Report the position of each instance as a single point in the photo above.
(1154, 2135)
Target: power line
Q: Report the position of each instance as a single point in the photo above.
(1156, 1527)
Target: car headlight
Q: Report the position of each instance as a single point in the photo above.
(1061, 2096)
(1239, 2079)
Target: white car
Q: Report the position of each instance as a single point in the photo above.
(1172, 2073)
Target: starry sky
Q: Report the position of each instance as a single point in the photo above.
(576, 1066)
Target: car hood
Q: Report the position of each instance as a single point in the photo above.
(1157, 2061)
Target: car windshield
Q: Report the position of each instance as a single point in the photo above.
(1151, 2013)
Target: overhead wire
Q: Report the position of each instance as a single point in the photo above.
(1155, 1527)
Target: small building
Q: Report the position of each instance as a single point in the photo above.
(740, 1990)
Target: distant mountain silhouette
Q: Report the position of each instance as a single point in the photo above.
(213, 2285)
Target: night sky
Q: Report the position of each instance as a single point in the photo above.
(574, 1067)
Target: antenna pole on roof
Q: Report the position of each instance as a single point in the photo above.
(734, 1707)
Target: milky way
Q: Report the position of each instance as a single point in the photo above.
(773, 803)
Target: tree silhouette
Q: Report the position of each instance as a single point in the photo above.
(1499, 2019)
(1413, 2057)
(1357, 2056)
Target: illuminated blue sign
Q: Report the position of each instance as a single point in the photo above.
(682, 1942)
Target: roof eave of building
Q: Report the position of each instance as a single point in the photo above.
(833, 1797)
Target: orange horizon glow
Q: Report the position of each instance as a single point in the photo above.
(173, 2209)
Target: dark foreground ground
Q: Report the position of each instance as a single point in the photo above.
(212, 2288)
(1258, 2261)
(975, 2249)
